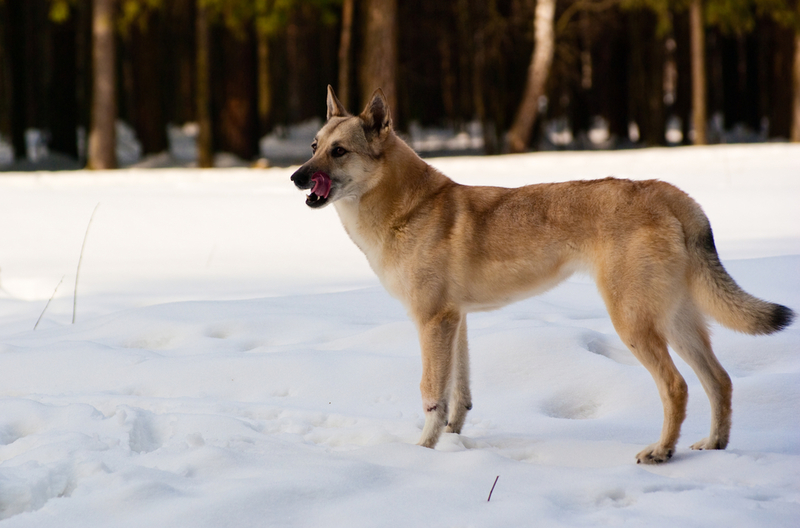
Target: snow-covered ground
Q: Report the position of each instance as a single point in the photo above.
(234, 362)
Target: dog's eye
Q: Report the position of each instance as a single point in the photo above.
(314, 147)
(338, 152)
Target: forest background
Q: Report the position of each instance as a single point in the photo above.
(526, 74)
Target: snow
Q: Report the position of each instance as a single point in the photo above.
(234, 362)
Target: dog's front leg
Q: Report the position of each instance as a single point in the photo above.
(438, 337)
(460, 397)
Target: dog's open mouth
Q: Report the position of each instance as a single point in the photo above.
(320, 190)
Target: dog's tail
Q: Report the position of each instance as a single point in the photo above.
(719, 296)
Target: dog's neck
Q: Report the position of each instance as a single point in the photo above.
(404, 182)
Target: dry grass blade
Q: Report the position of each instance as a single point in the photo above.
(80, 259)
(48, 303)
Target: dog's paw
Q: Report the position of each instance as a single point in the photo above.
(430, 443)
(654, 454)
(708, 443)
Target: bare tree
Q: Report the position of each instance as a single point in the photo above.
(519, 136)
(102, 136)
(379, 58)
(698, 59)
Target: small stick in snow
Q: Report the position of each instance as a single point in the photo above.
(48, 302)
(80, 259)
(492, 490)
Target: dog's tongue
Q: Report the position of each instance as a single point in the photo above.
(322, 184)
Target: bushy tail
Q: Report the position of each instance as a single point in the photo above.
(720, 297)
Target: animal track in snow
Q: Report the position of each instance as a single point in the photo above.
(609, 347)
(571, 406)
(144, 433)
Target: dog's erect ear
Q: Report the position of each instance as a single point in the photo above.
(335, 108)
(376, 116)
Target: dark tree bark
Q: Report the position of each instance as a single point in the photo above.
(379, 55)
(345, 51)
(147, 112)
(264, 82)
(203, 90)
(102, 136)
(6, 83)
(63, 114)
(237, 108)
(795, 133)
(295, 69)
(646, 77)
(182, 53)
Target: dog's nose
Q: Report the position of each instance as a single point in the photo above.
(301, 178)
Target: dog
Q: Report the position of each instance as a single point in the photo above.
(445, 249)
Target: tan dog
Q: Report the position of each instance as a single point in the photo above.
(446, 249)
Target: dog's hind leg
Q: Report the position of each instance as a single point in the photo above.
(688, 335)
(460, 397)
(636, 325)
(650, 348)
(438, 339)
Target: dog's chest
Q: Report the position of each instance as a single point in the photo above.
(371, 246)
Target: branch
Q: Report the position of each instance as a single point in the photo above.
(582, 5)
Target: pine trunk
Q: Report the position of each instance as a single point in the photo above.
(379, 60)
(795, 135)
(345, 43)
(6, 90)
(147, 114)
(238, 113)
(205, 153)
(264, 83)
(102, 136)
(182, 52)
(519, 136)
(697, 35)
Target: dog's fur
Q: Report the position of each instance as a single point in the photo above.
(446, 249)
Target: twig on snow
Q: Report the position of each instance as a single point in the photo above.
(492, 490)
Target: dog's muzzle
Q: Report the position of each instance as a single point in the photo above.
(319, 183)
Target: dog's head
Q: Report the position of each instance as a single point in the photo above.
(346, 152)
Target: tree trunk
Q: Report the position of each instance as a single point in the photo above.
(697, 35)
(6, 90)
(148, 57)
(182, 55)
(237, 109)
(83, 74)
(345, 43)
(544, 46)
(379, 59)
(795, 135)
(295, 69)
(62, 89)
(205, 153)
(103, 137)
(264, 82)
